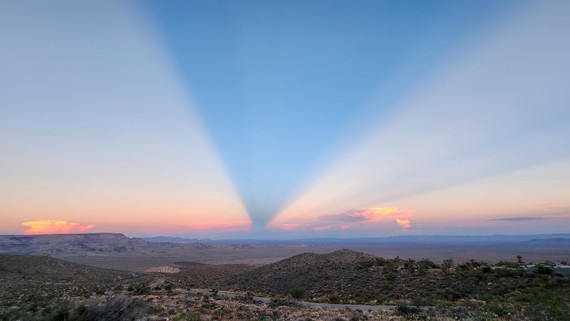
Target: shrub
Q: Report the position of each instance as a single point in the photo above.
(298, 292)
(447, 265)
(508, 264)
(424, 265)
(487, 269)
(542, 269)
(406, 310)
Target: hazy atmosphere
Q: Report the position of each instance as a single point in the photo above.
(285, 119)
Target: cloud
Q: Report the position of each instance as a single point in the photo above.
(54, 227)
(405, 224)
(351, 219)
(361, 215)
(519, 219)
(288, 227)
(322, 228)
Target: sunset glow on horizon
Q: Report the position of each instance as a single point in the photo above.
(285, 119)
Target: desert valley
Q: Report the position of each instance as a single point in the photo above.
(114, 277)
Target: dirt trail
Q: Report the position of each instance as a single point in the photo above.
(232, 295)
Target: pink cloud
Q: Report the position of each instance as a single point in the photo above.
(288, 227)
(352, 219)
(405, 224)
(322, 228)
(54, 227)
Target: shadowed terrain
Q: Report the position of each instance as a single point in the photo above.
(118, 251)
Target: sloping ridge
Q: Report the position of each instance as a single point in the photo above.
(32, 275)
(44, 268)
(316, 272)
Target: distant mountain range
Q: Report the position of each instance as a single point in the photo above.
(61, 245)
(438, 239)
(117, 251)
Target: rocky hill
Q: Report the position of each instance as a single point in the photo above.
(340, 273)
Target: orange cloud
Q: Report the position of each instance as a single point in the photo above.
(352, 219)
(54, 227)
(375, 213)
(405, 224)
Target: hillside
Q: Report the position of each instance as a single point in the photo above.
(37, 275)
(320, 274)
(352, 277)
(41, 288)
(38, 288)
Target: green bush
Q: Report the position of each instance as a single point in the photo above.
(298, 292)
(542, 269)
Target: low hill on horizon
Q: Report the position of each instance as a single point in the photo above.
(338, 274)
(117, 251)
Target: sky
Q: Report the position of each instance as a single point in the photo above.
(285, 119)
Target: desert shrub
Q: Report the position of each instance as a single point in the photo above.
(422, 300)
(365, 265)
(498, 309)
(424, 265)
(453, 294)
(509, 273)
(298, 292)
(275, 303)
(447, 265)
(142, 289)
(458, 313)
(508, 264)
(358, 316)
(543, 269)
(59, 310)
(380, 261)
(407, 310)
(118, 308)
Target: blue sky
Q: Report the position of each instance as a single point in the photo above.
(280, 83)
(285, 118)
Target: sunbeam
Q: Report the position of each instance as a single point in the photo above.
(281, 119)
(96, 127)
(278, 83)
(498, 107)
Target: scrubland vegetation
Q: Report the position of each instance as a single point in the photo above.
(42, 288)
